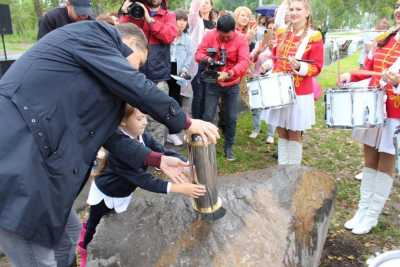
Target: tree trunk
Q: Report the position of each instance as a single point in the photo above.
(38, 8)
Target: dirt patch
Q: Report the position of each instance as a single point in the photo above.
(341, 250)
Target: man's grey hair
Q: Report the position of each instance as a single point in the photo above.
(128, 30)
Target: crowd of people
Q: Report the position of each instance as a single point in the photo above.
(99, 77)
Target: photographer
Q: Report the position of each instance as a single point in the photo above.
(159, 26)
(225, 54)
(75, 10)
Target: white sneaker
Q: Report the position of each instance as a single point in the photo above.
(174, 139)
(270, 140)
(359, 176)
(253, 135)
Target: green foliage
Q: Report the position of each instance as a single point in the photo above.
(333, 13)
(24, 19)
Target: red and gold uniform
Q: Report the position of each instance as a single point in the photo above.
(381, 60)
(288, 44)
(301, 115)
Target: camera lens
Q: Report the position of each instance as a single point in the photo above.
(136, 11)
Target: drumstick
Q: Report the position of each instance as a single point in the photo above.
(285, 58)
(366, 72)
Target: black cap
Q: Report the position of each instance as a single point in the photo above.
(82, 7)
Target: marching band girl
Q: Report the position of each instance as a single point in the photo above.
(379, 149)
(299, 51)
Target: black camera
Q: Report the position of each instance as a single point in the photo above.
(135, 10)
(210, 74)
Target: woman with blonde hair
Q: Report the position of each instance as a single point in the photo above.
(299, 51)
(243, 18)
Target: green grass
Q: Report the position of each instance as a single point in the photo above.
(333, 151)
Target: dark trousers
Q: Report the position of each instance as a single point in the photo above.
(230, 97)
(95, 214)
(199, 88)
(174, 88)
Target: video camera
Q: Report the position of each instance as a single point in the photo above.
(136, 10)
(210, 74)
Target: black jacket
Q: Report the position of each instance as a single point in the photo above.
(54, 19)
(59, 103)
(120, 177)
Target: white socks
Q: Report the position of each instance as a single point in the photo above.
(295, 152)
(381, 191)
(282, 151)
(289, 152)
(366, 191)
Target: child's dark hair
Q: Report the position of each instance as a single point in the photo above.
(129, 110)
(182, 14)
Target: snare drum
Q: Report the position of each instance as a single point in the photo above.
(387, 259)
(355, 108)
(274, 90)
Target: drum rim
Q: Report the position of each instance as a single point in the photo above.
(249, 79)
(358, 89)
(385, 257)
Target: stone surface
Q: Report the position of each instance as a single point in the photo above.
(80, 201)
(275, 217)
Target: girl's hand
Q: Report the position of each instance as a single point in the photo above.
(174, 168)
(294, 64)
(391, 77)
(344, 78)
(188, 189)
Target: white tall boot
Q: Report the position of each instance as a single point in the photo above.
(366, 191)
(295, 152)
(282, 151)
(382, 187)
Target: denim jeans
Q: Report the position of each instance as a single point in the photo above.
(24, 253)
(256, 114)
(230, 96)
(199, 88)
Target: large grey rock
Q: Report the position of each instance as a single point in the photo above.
(275, 217)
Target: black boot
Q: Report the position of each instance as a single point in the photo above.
(229, 154)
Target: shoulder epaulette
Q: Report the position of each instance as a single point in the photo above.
(382, 36)
(280, 31)
(316, 36)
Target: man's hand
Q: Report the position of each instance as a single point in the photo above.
(222, 76)
(174, 168)
(207, 131)
(125, 6)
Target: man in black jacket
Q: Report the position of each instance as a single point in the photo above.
(75, 10)
(59, 103)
